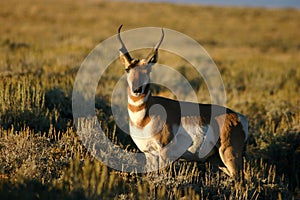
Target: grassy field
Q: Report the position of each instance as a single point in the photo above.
(43, 43)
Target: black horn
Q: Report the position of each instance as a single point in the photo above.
(161, 39)
(123, 49)
(152, 57)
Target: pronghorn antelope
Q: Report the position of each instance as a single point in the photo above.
(176, 128)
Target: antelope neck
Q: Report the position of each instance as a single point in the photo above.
(137, 101)
(137, 108)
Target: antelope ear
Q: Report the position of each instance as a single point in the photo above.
(125, 60)
(152, 57)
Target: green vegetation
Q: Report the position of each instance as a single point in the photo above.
(42, 45)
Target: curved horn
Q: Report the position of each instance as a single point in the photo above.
(152, 57)
(161, 39)
(123, 48)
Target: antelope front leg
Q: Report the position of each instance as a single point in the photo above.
(155, 161)
(168, 154)
(175, 149)
(158, 159)
(152, 161)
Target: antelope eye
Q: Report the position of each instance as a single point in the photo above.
(127, 70)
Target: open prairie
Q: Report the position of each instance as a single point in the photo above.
(42, 45)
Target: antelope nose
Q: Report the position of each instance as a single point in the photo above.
(138, 90)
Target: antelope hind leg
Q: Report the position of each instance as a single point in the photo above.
(232, 159)
(231, 152)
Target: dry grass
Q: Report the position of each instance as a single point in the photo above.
(42, 45)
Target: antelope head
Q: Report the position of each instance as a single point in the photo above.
(138, 71)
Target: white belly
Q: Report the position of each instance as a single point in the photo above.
(197, 140)
(203, 137)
